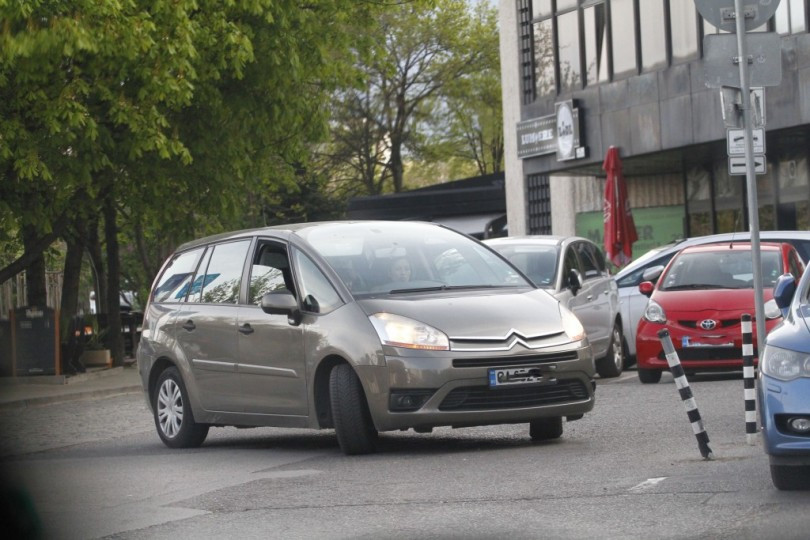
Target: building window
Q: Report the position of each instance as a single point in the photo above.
(526, 49)
(653, 35)
(623, 37)
(541, 8)
(683, 27)
(595, 30)
(568, 51)
(545, 80)
(538, 199)
(790, 17)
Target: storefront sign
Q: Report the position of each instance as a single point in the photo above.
(556, 133)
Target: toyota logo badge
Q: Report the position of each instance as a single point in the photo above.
(708, 324)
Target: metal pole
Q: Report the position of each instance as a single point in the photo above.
(750, 177)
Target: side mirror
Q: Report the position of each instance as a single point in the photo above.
(282, 303)
(574, 280)
(652, 273)
(783, 292)
(646, 288)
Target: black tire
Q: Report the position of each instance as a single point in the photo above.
(790, 478)
(173, 417)
(354, 428)
(613, 363)
(546, 429)
(649, 376)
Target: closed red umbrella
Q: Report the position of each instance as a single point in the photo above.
(620, 230)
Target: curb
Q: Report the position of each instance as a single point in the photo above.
(72, 396)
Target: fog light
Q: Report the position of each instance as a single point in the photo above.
(408, 400)
(799, 424)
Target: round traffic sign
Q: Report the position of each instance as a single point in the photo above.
(721, 12)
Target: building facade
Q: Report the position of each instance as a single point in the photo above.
(580, 76)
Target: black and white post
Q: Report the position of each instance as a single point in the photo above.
(686, 394)
(748, 380)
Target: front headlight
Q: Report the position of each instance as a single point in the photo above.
(570, 323)
(784, 364)
(398, 331)
(655, 313)
(772, 311)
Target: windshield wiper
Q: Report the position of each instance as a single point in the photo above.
(697, 286)
(444, 288)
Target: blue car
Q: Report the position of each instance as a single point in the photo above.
(784, 387)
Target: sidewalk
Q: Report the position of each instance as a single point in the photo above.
(18, 392)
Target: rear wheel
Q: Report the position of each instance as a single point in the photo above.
(353, 425)
(649, 376)
(787, 477)
(613, 362)
(172, 411)
(546, 429)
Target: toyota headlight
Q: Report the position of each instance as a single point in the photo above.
(655, 313)
(570, 323)
(784, 364)
(398, 331)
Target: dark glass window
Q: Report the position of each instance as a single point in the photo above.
(269, 272)
(568, 51)
(653, 34)
(223, 277)
(317, 293)
(526, 49)
(174, 283)
(595, 33)
(623, 37)
(538, 193)
(545, 81)
(683, 25)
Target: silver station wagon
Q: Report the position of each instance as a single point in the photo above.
(360, 327)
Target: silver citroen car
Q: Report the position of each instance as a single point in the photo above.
(360, 327)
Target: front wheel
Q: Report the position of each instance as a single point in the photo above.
(172, 411)
(354, 428)
(649, 376)
(546, 429)
(612, 364)
(788, 477)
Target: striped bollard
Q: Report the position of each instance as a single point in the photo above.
(748, 381)
(686, 394)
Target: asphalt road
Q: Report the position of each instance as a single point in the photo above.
(630, 469)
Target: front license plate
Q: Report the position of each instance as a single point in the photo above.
(686, 342)
(510, 376)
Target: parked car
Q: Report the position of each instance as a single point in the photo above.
(320, 326)
(632, 302)
(700, 298)
(573, 270)
(783, 388)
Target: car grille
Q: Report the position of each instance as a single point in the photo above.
(708, 353)
(726, 323)
(476, 398)
(501, 361)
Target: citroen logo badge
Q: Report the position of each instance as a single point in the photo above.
(708, 324)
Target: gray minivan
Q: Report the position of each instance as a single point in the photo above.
(358, 326)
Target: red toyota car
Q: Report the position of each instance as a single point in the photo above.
(700, 297)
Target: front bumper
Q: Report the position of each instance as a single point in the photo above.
(456, 392)
(779, 400)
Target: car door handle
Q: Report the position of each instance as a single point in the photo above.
(589, 297)
(246, 329)
(189, 325)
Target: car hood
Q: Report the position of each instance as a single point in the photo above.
(471, 313)
(713, 300)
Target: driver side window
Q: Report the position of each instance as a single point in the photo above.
(317, 293)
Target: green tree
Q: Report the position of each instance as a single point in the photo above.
(163, 113)
(422, 48)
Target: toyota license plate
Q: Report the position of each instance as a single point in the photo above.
(510, 376)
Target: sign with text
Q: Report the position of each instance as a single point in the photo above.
(556, 133)
(735, 141)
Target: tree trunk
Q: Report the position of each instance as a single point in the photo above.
(115, 340)
(36, 290)
(30, 255)
(71, 347)
(97, 260)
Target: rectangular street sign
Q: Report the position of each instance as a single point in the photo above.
(735, 141)
(721, 59)
(736, 165)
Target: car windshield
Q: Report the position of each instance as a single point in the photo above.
(403, 257)
(727, 269)
(538, 262)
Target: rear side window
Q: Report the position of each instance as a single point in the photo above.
(176, 278)
(223, 277)
(588, 258)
